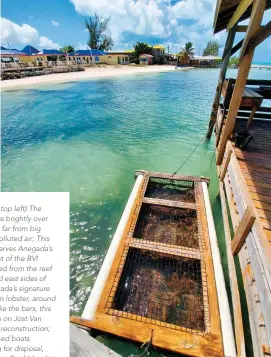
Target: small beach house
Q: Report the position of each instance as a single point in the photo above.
(11, 55)
(158, 50)
(51, 55)
(86, 56)
(118, 57)
(145, 59)
(31, 54)
(205, 61)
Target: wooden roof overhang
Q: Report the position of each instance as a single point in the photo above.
(226, 8)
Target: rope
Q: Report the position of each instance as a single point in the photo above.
(188, 157)
(147, 346)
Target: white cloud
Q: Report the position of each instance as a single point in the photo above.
(186, 19)
(21, 35)
(55, 23)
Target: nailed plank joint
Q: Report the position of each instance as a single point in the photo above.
(225, 165)
(242, 230)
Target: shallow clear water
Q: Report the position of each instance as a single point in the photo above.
(88, 138)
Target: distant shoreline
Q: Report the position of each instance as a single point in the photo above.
(88, 74)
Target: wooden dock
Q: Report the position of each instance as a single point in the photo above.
(84, 345)
(261, 66)
(162, 279)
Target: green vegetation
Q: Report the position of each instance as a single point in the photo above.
(188, 49)
(67, 49)
(142, 47)
(233, 61)
(212, 48)
(139, 49)
(99, 35)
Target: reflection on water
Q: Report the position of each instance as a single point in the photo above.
(89, 137)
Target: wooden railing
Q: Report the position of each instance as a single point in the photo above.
(250, 244)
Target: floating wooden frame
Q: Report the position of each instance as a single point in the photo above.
(102, 312)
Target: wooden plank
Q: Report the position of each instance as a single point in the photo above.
(254, 25)
(258, 255)
(260, 197)
(262, 34)
(244, 67)
(82, 344)
(169, 203)
(241, 8)
(242, 231)
(236, 304)
(164, 248)
(224, 65)
(234, 105)
(252, 93)
(237, 47)
(254, 315)
(241, 28)
(225, 165)
(163, 336)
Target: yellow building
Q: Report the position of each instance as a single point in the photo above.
(158, 50)
(118, 57)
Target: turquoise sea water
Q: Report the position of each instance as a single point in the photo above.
(88, 138)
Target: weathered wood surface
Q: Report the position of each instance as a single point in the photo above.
(164, 335)
(254, 26)
(236, 303)
(256, 245)
(83, 345)
(225, 164)
(225, 61)
(258, 330)
(241, 8)
(242, 75)
(255, 165)
(242, 231)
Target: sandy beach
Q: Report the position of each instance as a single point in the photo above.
(88, 74)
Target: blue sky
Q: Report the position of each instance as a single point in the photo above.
(53, 23)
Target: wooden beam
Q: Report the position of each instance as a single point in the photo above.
(242, 231)
(243, 71)
(241, 28)
(262, 34)
(237, 47)
(236, 303)
(241, 8)
(225, 165)
(225, 61)
(254, 25)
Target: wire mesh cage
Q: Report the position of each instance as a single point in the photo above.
(168, 189)
(164, 288)
(168, 225)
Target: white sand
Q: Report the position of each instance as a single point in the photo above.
(88, 74)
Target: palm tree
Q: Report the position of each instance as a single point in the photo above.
(188, 49)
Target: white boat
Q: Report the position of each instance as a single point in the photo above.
(182, 68)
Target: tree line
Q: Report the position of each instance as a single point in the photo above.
(100, 38)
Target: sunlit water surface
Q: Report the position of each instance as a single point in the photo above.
(88, 138)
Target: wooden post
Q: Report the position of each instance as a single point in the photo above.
(242, 231)
(244, 67)
(225, 61)
(225, 165)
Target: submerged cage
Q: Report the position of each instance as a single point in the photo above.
(158, 282)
